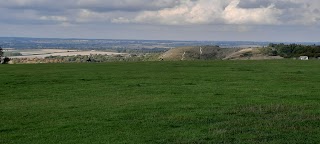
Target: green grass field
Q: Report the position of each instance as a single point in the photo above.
(161, 102)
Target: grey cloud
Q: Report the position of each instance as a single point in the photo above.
(37, 5)
(317, 11)
(79, 11)
(126, 5)
(164, 12)
(284, 4)
(96, 5)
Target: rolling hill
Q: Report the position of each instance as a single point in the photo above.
(214, 53)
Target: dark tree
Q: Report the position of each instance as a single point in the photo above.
(5, 60)
(294, 50)
(1, 51)
(1, 54)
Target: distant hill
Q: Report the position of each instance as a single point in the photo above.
(214, 53)
(197, 52)
(252, 54)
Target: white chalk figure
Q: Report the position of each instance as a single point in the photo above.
(200, 52)
(182, 58)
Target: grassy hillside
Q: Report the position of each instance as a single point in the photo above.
(161, 102)
(251, 54)
(216, 53)
(197, 53)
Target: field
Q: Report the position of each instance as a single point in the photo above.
(275, 101)
(42, 53)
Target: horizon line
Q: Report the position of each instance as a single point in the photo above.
(75, 38)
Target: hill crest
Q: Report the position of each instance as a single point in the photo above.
(214, 53)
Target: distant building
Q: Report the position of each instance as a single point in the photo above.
(303, 58)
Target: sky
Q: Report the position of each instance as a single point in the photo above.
(213, 20)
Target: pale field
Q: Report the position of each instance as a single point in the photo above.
(42, 53)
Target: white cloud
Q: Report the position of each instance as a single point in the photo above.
(120, 20)
(211, 12)
(264, 15)
(190, 12)
(54, 18)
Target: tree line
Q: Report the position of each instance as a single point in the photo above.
(293, 50)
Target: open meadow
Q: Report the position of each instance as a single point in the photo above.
(269, 101)
(43, 53)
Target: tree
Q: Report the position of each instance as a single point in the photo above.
(5, 60)
(1, 54)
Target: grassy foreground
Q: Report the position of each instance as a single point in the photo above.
(161, 102)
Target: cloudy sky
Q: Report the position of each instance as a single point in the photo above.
(253, 20)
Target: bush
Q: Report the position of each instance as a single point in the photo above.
(5, 60)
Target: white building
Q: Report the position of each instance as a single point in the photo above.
(303, 58)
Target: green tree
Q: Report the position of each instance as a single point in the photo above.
(1, 54)
(4, 60)
(294, 50)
